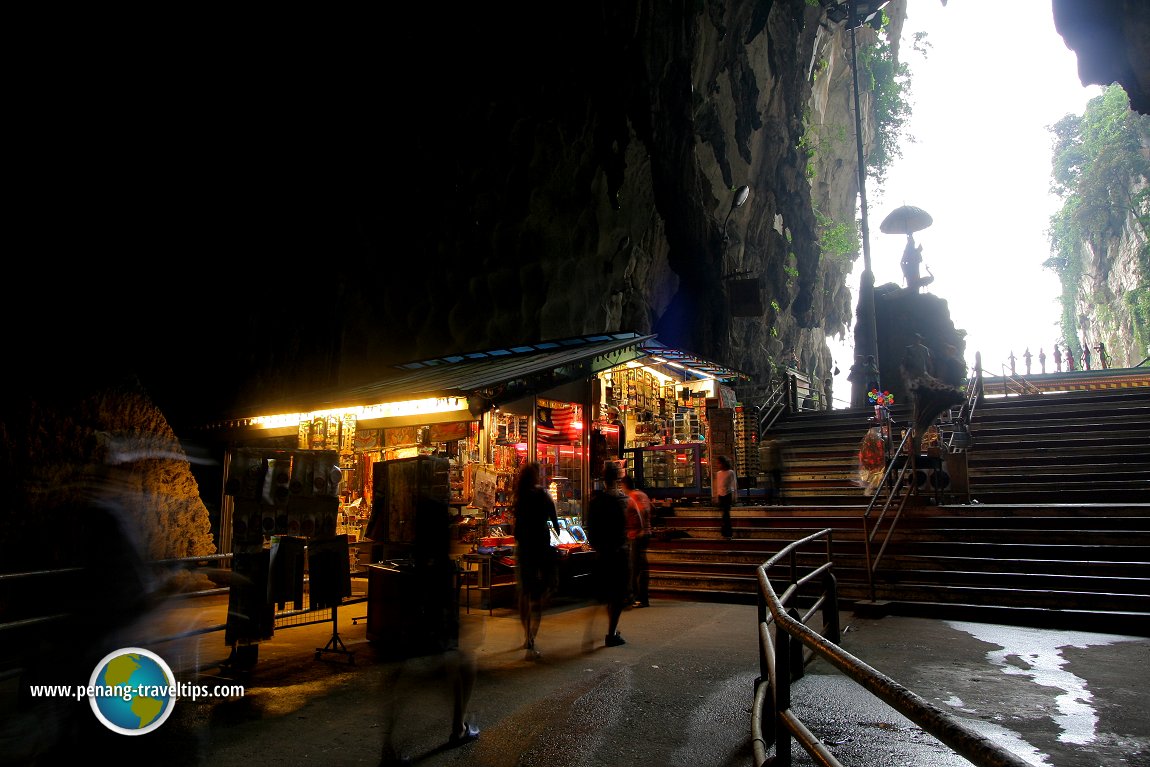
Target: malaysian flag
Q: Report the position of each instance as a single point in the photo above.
(555, 424)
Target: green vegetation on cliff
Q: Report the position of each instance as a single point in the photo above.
(1101, 171)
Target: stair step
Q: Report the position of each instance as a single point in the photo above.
(1093, 583)
(1055, 527)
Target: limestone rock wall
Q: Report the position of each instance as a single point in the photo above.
(95, 463)
(581, 180)
(1111, 300)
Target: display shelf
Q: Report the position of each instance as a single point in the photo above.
(478, 576)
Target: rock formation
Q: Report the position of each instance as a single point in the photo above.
(572, 171)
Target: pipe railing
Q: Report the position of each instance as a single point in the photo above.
(787, 644)
(34, 580)
(895, 479)
(774, 405)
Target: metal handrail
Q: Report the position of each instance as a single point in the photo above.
(773, 406)
(21, 578)
(896, 485)
(782, 660)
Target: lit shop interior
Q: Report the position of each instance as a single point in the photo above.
(660, 411)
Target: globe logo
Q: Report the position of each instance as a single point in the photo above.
(132, 691)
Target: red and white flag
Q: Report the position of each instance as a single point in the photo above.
(555, 424)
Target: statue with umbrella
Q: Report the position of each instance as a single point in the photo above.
(907, 220)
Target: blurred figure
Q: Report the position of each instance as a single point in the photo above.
(535, 559)
(607, 534)
(724, 491)
(639, 538)
(436, 630)
(771, 461)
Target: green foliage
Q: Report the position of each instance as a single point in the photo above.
(839, 242)
(1101, 175)
(1138, 302)
(821, 137)
(889, 82)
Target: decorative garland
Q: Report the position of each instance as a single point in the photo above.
(885, 398)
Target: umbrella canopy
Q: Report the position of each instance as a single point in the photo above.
(906, 220)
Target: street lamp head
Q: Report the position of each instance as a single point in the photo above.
(742, 194)
(864, 11)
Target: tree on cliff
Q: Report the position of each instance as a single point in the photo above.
(1101, 170)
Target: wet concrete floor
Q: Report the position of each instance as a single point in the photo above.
(679, 692)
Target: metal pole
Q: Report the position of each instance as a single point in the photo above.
(866, 333)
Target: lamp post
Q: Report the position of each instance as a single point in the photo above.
(741, 196)
(859, 12)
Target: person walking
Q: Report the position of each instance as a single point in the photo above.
(535, 559)
(639, 538)
(771, 462)
(607, 534)
(724, 491)
(435, 648)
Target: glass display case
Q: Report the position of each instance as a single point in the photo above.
(670, 471)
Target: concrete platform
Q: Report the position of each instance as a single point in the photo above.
(678, 693)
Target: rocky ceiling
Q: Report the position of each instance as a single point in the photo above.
(1112, 41)
(276, 205)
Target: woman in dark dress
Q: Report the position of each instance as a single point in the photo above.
(535, 560)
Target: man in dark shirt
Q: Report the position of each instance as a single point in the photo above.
(607, 534)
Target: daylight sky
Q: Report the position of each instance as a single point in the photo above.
(996, 75)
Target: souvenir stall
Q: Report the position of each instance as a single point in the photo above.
(668, 428)
(569, 405)
(291, 567)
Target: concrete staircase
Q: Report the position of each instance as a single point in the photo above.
(1059, 535)
(1091, 447)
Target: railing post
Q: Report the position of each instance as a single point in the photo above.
(764, 668)
(782, 697)
(795, 668)
(831, 628)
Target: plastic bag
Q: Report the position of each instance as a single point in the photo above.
(872, 460)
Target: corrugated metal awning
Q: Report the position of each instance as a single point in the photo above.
(507, 373)
(684, 360)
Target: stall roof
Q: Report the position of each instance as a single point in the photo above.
(511, 371)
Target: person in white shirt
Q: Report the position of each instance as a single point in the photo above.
(724, 491)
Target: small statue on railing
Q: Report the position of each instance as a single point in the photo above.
(1042, 360)
(1057, 358)
(1027, 356)
(1012, 358)
(1069, 359)
(1103, 358)
(1085, 354)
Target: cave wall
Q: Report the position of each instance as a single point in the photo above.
(1112, 290)
(95, 463)
(300, 209)
(577, 182)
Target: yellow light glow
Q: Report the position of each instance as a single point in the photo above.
(428, 406)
